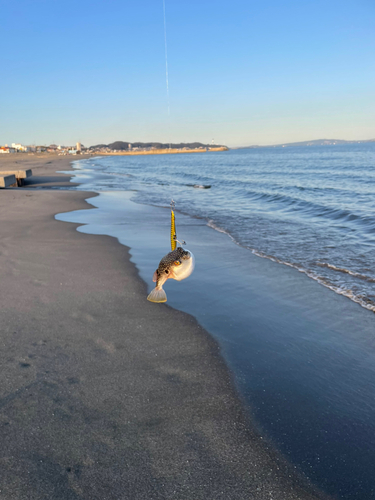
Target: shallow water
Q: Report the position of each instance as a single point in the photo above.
(303, 357)
(309, 207)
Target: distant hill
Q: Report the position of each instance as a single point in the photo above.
(317, 142)
(121, 145)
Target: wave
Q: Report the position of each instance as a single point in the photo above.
(313, 209)
(192, 175)
(363, 301)
(347, 271)
(117, 174)
(270, 213)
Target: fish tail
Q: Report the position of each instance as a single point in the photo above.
(173, 231)
(157, 295)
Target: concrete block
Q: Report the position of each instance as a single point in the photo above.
(7, 180)
(21, 175)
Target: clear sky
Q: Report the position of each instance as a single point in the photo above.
(240, 72)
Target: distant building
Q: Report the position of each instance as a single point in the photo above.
(130, 147)
(78, 146)
(20, 147)
(5, 149)
(72, 151)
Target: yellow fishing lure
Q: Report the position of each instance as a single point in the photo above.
(174, 239)
(173, 231)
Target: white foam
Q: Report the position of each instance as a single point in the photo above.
(362, 301)
(346, 271)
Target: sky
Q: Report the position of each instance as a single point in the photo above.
(240, 72)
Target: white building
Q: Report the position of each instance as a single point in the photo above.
(79, 146)
(20, 147)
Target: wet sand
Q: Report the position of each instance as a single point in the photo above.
(102, 394)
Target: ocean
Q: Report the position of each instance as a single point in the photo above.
(312, 208)
(284, 281)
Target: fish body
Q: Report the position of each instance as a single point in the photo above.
(178, 265)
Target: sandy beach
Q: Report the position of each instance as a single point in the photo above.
(104, 395)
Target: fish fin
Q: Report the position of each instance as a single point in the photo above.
(155, 276)
(157, 295)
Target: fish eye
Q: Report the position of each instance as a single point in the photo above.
(177, 262)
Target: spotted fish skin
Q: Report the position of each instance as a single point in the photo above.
(168, 268)
(168, 263)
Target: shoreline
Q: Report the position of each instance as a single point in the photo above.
(69, 350)
(164, 151)
(295, 348)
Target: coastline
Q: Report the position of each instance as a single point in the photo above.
(102, 393)
(302, 357)
(164, 152)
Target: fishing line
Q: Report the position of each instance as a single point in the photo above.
(166, 55)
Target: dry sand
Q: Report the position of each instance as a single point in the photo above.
(102, 394)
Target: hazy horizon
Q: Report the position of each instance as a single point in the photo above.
(180, 142)
(247, 74)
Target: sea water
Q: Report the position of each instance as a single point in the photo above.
(303, 357)
(312, 208)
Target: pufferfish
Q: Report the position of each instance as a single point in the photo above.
(177, 265)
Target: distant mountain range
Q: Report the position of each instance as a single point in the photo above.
(317, 142)
(122, 146)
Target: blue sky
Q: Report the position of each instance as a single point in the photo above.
(240, 72)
